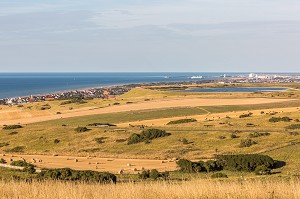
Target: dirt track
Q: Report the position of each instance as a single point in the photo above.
(172, 103)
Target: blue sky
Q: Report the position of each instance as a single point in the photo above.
(158, 35)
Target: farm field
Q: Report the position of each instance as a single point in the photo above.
(217, 129)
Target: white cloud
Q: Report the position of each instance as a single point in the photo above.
(197, 12)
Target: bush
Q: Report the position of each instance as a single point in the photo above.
(246, 115)
(21, 163)
(72, 175)
(134, 139)
(81, 129)
(262, 170)
(17, 149)
(245, 162)
(181, 121)
(256, 134)
(297, 120)
(280, 119)
(221, 137)
(56, 141)
(13, 133)
(233, 136)
(74, 100)
(293, 126)
(10, 127)
(101, 124)
(100, 140)
(247, 143)
(188, 166)
(294, 133)
(2, 144)
(145, 174)
(148, 134)
(153, 174)
(219, 175)
(2, 161)
(184, 141)
(29, 169)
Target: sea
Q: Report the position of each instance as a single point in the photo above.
(26, 84)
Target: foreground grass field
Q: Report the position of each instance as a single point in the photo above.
(211, 189)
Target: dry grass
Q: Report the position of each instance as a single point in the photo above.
(258, 189)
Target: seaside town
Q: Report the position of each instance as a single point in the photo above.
(112, 91)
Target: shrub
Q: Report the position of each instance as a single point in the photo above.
(294, 133)
(212, 165)
(293, 126)
(233, 136)
(256, 134)
(100, 140)
(247, 143)
(181, 121)
(148, 134)
(145, 174)
(244, 162)
(81, 129)
(134, 139)
(72, 175)
(188, 166)
(13, 133)
(101, 124)
(246, 115)
(21, 163)
(153, 174)
(45, 107)
(262, 170)
(147, 141)
(184, 141)
(29, 169)
(10, 127)
(2, 144)
(280, 119)
(17, 149)
(120, 140)
(56, 141)
(116, 103)
(221, 137)
(2, 161)
(74, 100)
(219, 175)
(297, 120)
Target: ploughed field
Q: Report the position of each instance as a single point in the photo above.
(217, 128)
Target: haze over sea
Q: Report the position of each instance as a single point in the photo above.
(25, 84)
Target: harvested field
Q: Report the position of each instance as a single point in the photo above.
(129, 166)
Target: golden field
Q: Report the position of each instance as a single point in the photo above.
(210, 189)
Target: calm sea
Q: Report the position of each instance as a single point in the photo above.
(24, 84)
